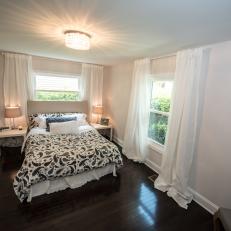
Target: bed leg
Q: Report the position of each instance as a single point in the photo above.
(114, 172)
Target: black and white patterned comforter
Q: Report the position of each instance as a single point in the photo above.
(48, 157)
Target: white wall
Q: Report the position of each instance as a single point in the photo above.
(211, 171)
(116, 92)
(42, 64)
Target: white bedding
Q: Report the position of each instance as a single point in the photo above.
(38, 130)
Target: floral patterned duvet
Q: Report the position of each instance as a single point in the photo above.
(48, 157)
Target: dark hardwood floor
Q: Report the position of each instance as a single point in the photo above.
(127, 202)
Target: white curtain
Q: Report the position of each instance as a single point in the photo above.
(135, 145)
(184, 122)
(91, 86)
(2, 107)
(17, 82)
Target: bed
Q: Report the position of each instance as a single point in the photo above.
(54, 162)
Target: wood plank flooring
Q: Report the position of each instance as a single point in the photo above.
(127, 202)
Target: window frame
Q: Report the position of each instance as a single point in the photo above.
(153, 144)
(54, 74)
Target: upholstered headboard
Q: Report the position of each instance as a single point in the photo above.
(56, 106)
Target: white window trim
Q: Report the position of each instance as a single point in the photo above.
(159, 112)
(155, 146)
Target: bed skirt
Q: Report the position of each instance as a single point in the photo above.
(47, 187)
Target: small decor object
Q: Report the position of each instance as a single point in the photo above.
(12, 112)
(104, 121)
(98, 110)
(19, 127)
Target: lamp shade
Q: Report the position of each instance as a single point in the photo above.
(97, 109)
(12, 112)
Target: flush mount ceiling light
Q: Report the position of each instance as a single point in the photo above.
(77, 40)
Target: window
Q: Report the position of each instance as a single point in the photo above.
(159, 110)
(57, 87)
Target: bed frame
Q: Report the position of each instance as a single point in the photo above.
(56, 106)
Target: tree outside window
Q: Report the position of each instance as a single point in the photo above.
(159, 110)
(57, 87)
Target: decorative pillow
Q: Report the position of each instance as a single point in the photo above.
(34, 123)
(41, 120)
(69, 127)
(50, 120)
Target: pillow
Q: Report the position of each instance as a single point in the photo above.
(41, 121)
(79, 116)
(50, 120)
(34, 120)
(69, 127)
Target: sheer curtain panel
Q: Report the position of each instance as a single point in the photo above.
(184, 122)
(17, 82)
(91, 85)
(136, 131)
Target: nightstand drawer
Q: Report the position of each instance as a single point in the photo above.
(16, 141)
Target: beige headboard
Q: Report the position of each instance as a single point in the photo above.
(56, 106)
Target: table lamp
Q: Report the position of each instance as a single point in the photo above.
(98, 110)
(12, 112)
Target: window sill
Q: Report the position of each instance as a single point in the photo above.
(155, 146)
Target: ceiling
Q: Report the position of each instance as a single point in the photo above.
(121, 30)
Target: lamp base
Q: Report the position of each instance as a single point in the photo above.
(98, 119)
(13, 127)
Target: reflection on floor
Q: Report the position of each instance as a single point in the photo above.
(147, 207)
(127, 202)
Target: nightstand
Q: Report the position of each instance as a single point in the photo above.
(102, 128)
(12, 138)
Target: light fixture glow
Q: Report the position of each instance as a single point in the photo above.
(77, 40)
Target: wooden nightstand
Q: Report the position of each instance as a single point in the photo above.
(12, 138)
(102, 128)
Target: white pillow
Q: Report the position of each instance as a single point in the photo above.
(69, 127)
(82, 122)
(41, 120)
(80, 117)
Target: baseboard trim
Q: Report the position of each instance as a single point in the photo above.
(204, 202)
(197, 197)
(118, 141)
(152, 166)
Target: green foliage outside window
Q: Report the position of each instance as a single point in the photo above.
(57, 95)
(161, 104)
(158, 127)
(158, 123)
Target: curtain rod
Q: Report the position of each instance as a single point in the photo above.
(164, 56)
(20, 53)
